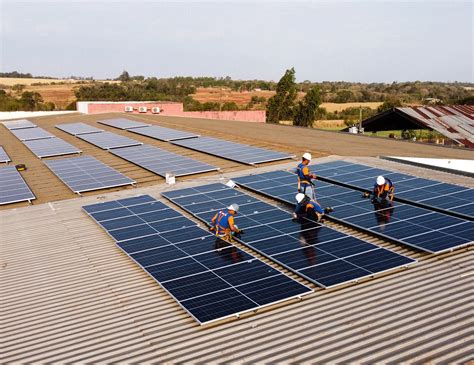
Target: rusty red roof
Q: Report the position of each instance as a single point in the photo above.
(454, 121)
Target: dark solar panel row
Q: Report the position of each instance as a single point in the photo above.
(316, 252)
(209, 278)
(414, 226)
(453, 199)
(4, 155)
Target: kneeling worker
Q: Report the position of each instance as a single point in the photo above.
(383, 190)
(223, 223)
(309, 208)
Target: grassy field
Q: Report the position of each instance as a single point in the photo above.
(10, 81)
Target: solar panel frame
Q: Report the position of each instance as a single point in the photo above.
(108, 140)
(51, 147)
(78, 128)
(30, 134)
(82, 168)
(231, 150)
(138, 205)
(4, 158)
(157, 160)
(162, 133)
(123, 123)
(18, 124)
(408, 188)
(11, 178)
(352, 210)
(191, 201)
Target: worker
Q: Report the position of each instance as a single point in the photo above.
(383, 189)
(305, 185)
(222, 224)
(309, 208)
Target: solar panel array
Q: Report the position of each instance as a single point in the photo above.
(453, 199)
(78, 128)
(209, 278)
(29, 134)
(160, 161)
(108, 140)
(316, 252)
(163, 134)
(85, 173)
(421, 228)
(13, 187)
(122, 123)
(18, 124)
(4, 155)
(51, 147)
(231, 150)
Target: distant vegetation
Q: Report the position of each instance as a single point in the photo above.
(27, 100)
(289, 102)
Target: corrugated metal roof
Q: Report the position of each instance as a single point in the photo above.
(69, 295)
(454, 121)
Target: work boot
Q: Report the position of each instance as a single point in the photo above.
(328, 210)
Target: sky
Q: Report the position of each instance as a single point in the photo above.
(359, 41)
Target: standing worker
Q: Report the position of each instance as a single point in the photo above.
(223, 223)
(309, 208)
(305, 185)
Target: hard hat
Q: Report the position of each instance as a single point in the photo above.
(307, 156)
(300, 197)
(234, 207)
(380, 180)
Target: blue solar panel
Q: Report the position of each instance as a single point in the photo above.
(13, 188)
(317, 252)
(4, 155)
(231, 150)
(50, 147)
(411, 225)
(29, 134)
(453, 199)
(86, 173)
(122, 123)
(162, 133)
(78, 128)
(18, 124)
(108, 140)
(211, 279)
(161, 161)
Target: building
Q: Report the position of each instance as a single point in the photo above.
(455, 122)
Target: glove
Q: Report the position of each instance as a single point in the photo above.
(366, 194)
(241, 231)
(328, 210)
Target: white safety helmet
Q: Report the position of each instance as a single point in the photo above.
(380, 180)
(307, 156)
(300, 197)
(234, 207)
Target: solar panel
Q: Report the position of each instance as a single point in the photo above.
(108, 140)
(85, 173)
(163, 134)
(13, 188)
(4, 155)
(160, 161)
(29, 134)
(122, 123)
(231, 150)
(18, 124)
(452, 199)
(50, 147)
(209, 278)
(78, 128)
(421, 228)
(314, 251)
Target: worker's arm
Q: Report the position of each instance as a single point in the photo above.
(232, 226)
(307, 174)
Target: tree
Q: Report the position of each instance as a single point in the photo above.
(307, 109)
(124, 77)
(280, 106)
(389, 104)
